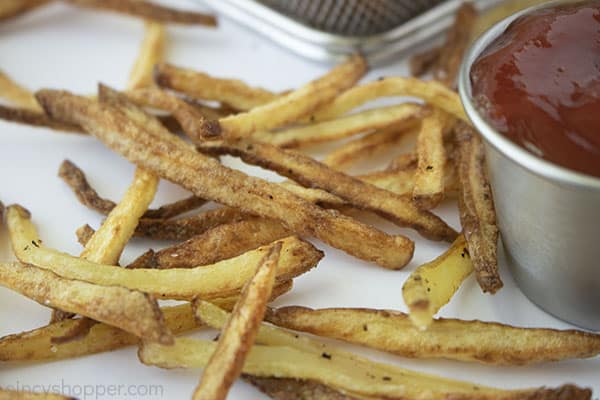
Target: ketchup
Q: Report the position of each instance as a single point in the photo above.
(539, 84)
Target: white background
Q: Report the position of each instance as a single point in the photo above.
(60, 47)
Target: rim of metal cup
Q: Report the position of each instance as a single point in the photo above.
(504, 145)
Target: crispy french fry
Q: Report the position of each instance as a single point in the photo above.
(73, 176)
(471, 341)
(188, 227)
(7, 394)
(147, 10)
(151, 146)
(452, 51)
(202, 86)
(11, 90)
(476, 205)
(40, 344)
(220, 243)
(296, 104)
(311, 173)
(132, 311)
(432, 92)
(35, 118)
(221, 279)
(432, 285)
(106, 245)
(428, 191)
(278, 353)
(368, 145)
(159, 99)
(342, 127)
(151, 52)
(291, 389)
(14, 8)
(238, 333)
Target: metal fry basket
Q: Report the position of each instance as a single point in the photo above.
(328, 30)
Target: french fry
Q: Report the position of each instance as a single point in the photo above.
(290, 389)
(238, 333)
(311, 173)
(296, 104)
(432, 285)
(132, 311)
(14, 8)
(11, 90)
(476, 205)
(73, 176)
(342, 127)
(40, 344)
(221, 279)
(188, 227)
(368, 145)
(7, 394)
(151, 146)
(431, 92)
(159, 99)
(151, 52)
(428, 191)
(147, 10)
(220, 243)
(109, 241)
(471, 341)
(202, 86)
(278, 353)
(452, 51)
(31, 117)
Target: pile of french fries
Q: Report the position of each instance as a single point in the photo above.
(230, 262)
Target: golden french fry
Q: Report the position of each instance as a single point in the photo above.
(471, 341)
(342, 127)
(220, 243)
(202, 86)
(106, 245)
(432, 285)
(424, 62)
(296, 104)
(221, 279)
(432, 92)
(6, 394)
(452, 51)
(151, 52)
(150, 145)
(369, 145)
(238, 333)
(476, 206)
(278, 353)
(14, 92)
(148, 10)
(35, 118)
(40, 344)
(428, 191)
(132, 311)
(313, 174)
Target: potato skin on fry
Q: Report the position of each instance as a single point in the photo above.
(293, 389)
(471, 341)
(222, 242)
(476, 206)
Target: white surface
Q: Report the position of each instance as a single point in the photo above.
(64, 48)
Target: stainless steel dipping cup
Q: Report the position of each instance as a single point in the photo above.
(548, 215)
